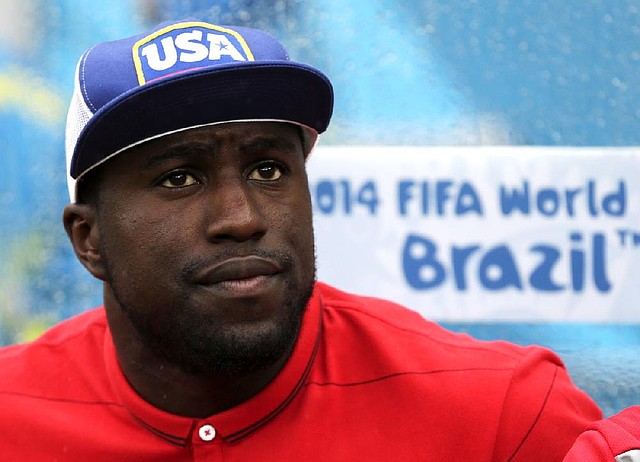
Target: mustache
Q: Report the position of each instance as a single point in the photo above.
(198, 263)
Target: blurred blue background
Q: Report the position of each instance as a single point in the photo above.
(431, 72)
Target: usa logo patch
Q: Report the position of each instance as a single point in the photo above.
(190, 45)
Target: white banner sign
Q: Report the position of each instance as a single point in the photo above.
(483, 233)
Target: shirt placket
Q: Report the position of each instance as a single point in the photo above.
(207, 442)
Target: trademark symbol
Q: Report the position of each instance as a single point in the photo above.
(629, 238)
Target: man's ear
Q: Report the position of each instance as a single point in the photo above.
(81, 223)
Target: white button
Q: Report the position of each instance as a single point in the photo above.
(207, 433)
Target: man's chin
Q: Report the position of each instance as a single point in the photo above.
(198, 345)
(240, 350)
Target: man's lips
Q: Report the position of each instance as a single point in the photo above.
(237, 269)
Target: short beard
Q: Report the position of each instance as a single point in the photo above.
(197, 347)
(201, 349)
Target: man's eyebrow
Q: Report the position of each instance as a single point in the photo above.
(176, 152)
(266, 144)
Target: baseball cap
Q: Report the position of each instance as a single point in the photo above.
(181, 75)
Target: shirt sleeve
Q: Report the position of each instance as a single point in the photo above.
(591, 446)
(543, 413)
(616, 438)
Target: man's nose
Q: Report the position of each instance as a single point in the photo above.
(233, 212)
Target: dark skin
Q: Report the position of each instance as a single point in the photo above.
(204, 242)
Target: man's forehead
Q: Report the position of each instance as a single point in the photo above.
(241, 134)
(245, 137)
(250, 137)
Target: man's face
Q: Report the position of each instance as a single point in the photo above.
(207, 242)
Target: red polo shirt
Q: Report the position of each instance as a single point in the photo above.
(367, 381)
(614, 439)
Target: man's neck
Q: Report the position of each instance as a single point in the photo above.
(173, 390)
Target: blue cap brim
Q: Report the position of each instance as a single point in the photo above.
(264, 90)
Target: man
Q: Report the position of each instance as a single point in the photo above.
(186, 149)
(616, 439)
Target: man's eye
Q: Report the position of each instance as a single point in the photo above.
(178, 180)
(266, 172)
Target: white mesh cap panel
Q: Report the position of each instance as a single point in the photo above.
(78, 116)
